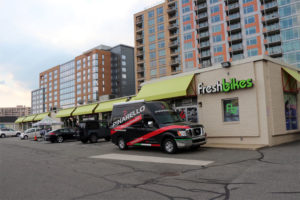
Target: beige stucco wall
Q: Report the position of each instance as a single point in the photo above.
(261, 108)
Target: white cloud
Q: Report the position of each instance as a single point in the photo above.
(12, 92)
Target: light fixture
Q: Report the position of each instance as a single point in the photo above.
(226, 64)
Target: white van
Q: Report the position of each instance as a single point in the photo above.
(30, 133)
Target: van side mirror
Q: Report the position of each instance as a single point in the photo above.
(150, 124)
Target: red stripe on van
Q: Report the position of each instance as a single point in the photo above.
(125, 125)
(154, 133)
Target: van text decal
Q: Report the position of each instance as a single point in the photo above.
(127, 124)
(128, 116)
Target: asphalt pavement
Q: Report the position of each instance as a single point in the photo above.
(71, 170)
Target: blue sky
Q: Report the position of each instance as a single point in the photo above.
(38, 34)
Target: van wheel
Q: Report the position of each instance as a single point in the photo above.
(169, 146)
(107, 139)
(122, 144)
(93, 138)
(3, 135)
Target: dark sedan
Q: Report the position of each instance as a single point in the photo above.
(60, 135)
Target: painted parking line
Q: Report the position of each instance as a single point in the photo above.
(152, 159)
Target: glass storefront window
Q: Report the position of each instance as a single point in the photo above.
(231, 110)
(290, 102)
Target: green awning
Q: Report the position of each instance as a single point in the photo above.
(29, 118)
(41, 116)
(19, 120)
(107, 106)
(84, 110)
(165, 89)
(295, 74)
(65, 112)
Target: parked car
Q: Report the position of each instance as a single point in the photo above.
(92, 130)
(8, 132)
(155, 124)
(60, 135)
(30, 133)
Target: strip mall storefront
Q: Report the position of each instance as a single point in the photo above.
(255, 101)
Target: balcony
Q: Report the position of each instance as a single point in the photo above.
(203, 35)
(205, 63)
(238, 57)
(174, 53)
(233, 18)
(272, 29)
(237, 48)
(197, 2)
(231, 1)
(201, 7)
(139, 37)
(231, 8)
(273, 40)
(173, 44)
(175, 69)
(235, 38)
(204, 45)
(205, 54)
(171, 2)
(139, 45)
(275, 52)
(171, 10)
(140, 60)
(269, 7)
(139, 29)
(139, 21)
(233, 28)
(175, 62)
(202, 26)
(172, 18)
(141, 76)
(174, 35)
(173, 26)
(140, 53)
(267, 19)
(202, 17)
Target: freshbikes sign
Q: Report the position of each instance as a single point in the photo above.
(225, 86)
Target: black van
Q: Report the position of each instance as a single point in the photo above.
(140, 123)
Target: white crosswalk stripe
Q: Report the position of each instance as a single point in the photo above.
(153, 159)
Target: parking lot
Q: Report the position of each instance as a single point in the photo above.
(72, 170)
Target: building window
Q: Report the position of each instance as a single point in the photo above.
(161, 62)
(150, 22)
(188, 45)
(252, 52)
(161, 44)
(151, 14)
(187, 27)
(152, 38)
(151, 30)
(218, 49)
(290, 102)
(185, 1)
(217, 38)
(231, 110)
(160, 27)
(251, 41)
(162, 70)
(190, 64)
(247, 1)
(215, 18)
(216, 28)
(160, 19)
(186, 18)
(215, 9)
(159, 11)
(152, 55)
(251, 30)
(124, 76)
(214, 1)
(151, 47)
(249, 20)
(161, 36)
(188, 55)
(153, 72)
(248, 9)
(219, 59)
(161, 53)
(187, 36)
(186, 9)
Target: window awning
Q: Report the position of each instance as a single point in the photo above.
(65, 112)
(165, 89)
(84, 110)
(295, 74)
(29, 118)
(19, 120)
(107, 106)
(41, 116)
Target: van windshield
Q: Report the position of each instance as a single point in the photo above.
(164, 114)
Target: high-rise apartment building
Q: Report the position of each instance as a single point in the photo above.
(99, 71)
(183, 35)
(17, 111)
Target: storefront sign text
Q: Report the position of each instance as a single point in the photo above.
(225, 86)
